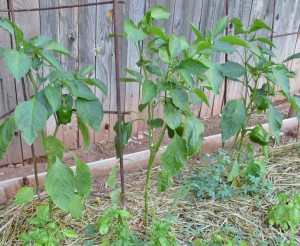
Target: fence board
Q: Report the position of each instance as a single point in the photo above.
(68, 36)
(295, 66)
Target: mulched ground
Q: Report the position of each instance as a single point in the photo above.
(198, 218)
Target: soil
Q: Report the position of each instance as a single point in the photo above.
(137, 142)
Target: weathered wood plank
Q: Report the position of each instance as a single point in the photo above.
(68, 36)
(286, 20)
(295, 66)
(136, 13)
(7, 87)
(86, 44)
(212, 11)
(22, 19)
(104, 63)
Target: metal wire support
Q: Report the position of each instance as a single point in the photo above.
(59, 7)
(118, 97)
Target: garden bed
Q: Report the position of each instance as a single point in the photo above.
(240, 217)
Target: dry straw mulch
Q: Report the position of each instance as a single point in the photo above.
(246, 214)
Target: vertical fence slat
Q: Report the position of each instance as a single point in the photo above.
(68, 36)
(86, 44)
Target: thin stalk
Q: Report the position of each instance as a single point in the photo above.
(33, 82)
(56, 130)
(153, 153)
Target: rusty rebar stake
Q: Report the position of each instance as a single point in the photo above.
(118, 97)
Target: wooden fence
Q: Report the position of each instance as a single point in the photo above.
(84, 31)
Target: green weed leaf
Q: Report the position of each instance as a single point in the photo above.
(24, 195)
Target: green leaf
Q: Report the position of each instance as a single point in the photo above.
(282, 80)
(7, 132)
(175, 156)
(159, 13)
(234, 172)
(234, 40)
(156, 123)
(83, 179)
(112, 179)
(238, 25)
(179, 98)
(91, 112)
(80, 89)
(53, 96)
(265, 40)
(187, 78)
(59, 184)
(57, 47)
(40, 41)
(172, 116)
(174, 46)
(24, 195)
(202, 96)
(142, 106)
(133, 33)
(136, 74)
(294, 56)
(220, 46)
(17, 62)
(75, 207)
(30, 117)
(193, 131)
(70, 233)
(86, 70)
(116, 196)
(126, 132)
(156, 70)
(98, 83)
(233, 118)
(196, 31)
(50, 59)
(214, 76)
(84, 132)
(232, 69)
(220, 26)
(257, 25)
(275, 122)
(164, 182)
(149, 91)
(54, 147)
(160, 33)
(295, 102)
(193, 66)
(19, 35)
(6, 26)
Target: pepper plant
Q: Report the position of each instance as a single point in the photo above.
(168, 70)
(256, 66)
(56, 94)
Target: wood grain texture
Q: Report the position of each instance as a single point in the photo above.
(295, 66)
(86, 44)
(68, 36)
(104, 65)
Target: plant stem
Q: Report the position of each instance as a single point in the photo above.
(56, 130)
(153, 153)
(33, 82)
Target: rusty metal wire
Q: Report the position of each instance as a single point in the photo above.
(59, 7)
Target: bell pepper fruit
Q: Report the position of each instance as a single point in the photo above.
(259, 135)
(262, 102)
(64, 114)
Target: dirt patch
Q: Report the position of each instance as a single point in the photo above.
(104, 150)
